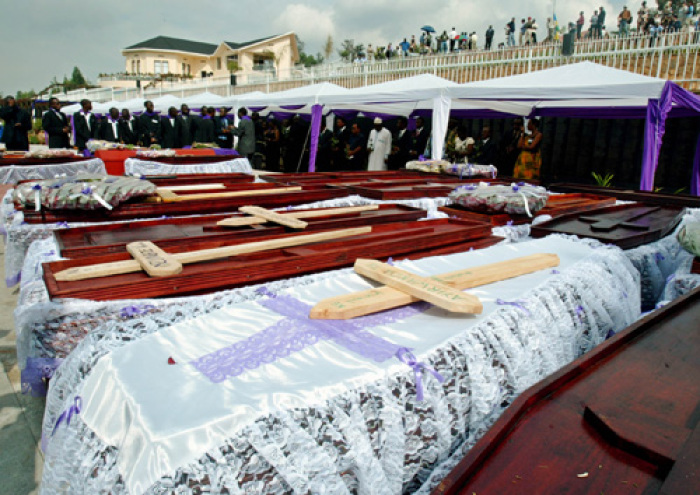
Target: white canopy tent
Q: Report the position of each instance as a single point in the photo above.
(589, 90)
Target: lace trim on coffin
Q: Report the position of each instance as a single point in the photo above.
(296, 332)
(377, 438)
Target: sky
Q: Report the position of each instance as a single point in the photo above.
(41, 39)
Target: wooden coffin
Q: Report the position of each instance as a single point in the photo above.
(626, 226)
(695, 267)
(84, 242)
(621, 419)
(402, 192)
(557, 205)
(175, 180)
(348, 176)
(20, 160)
(397, 240)
(129, 211)
(631, 195)
(189, 159)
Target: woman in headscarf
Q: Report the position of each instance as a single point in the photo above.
(529, 160)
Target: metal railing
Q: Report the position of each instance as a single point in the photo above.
(671, 56)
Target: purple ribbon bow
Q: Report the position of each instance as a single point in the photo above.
(421, 158)
(659, 257)
(579, 312)
(263, 291)
(406, 356)
(131, 311)
(87, 190)
(68, 413)
(516, 188)
(518, 304)
(62, 225)
(36, 187)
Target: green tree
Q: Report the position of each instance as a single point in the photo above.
(306, 59)
(347, 50)
(77, 79)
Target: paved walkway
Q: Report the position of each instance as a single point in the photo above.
(21, 460)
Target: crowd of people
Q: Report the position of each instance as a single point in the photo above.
(648, 20)
(176, 129)
(280, 145)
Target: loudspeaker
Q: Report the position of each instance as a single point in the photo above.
(567, 47)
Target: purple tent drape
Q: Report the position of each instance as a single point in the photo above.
(657, 112)
(316, 116)
(695, 178)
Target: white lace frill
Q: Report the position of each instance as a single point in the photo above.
(12, 174)
(136, 166)
(376, 438)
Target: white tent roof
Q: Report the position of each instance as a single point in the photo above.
(203, 99)
(305, 95)
(416, 88)
(579, 81)
(162, 103)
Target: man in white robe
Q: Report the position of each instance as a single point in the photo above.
(379, 146)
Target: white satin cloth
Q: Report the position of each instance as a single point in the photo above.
(12, 174)
(136, 166)
(161, 417)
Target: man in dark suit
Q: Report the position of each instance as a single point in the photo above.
(17, 125)
(420, 139)
(342, 134)
(149, 123)
(486, 149)
(323, 155)
(222, 125)
(204, 131)
(402, 145)
(246, 134)
(56, 125)
(129, 128)
(109, 129)
(170, 129)
(185, 120)
(85, 125)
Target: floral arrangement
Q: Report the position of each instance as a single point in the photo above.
(204, 145)
(515, 199)
(81, 192)
(155, 153)
(460, 169)
(99, 144)
(50, 153)
(689, 237)
(471, 170)
(432, 166)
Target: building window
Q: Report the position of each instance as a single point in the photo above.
(184, 67)
(263, 62)
(218, 63)
(160, 67)
(133, 66)
(138, 67)
(189, 69)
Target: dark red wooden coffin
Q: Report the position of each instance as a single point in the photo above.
(97, 240)
(178, 180)
(695, 268)
(397, 240)
(631, 195)
(621, 419)
(402, 192)
(129, 211)
(557, 205)
(346, 175)
(626, 226)
(18, 161)
(189, 159)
